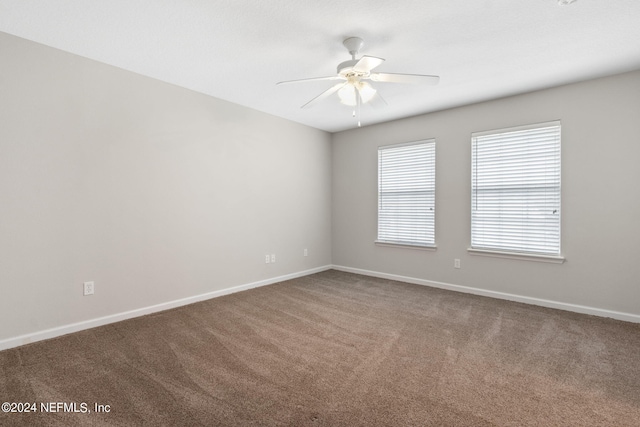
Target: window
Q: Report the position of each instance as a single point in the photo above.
(515, 190)
(406, 194)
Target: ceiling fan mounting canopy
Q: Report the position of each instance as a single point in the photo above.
(353, 45)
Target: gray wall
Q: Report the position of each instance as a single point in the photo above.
(154, 192)
(158, 193)
(600, 196)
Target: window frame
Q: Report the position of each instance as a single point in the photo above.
(497, 250)
(431, 183)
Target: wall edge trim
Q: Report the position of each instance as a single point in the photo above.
(576, 308)
(29, 338)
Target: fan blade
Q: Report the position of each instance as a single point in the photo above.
(377, 101)
(314, 79)
(327, 93)
(367, 63)
(404, 78)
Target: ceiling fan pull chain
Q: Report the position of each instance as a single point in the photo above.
(359, 103)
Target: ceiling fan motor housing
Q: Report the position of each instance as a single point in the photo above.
(345, 68)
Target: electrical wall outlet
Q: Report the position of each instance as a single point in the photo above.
(273, 257)
(88, 288)
(267, 259)
(456, 263)
(306, 253)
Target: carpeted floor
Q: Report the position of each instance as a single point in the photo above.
(336, 349)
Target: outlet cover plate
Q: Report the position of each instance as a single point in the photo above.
(89, 288)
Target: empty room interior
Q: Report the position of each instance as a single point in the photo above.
(320, 213)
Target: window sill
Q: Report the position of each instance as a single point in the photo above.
(405, 245)
(515, 255)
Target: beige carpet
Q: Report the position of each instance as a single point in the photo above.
(337, 349)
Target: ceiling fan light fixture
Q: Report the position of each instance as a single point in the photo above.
(347, 95)
(367, 92)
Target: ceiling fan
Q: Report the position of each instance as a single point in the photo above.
(353, 88)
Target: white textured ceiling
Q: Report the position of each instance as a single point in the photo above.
(238, 49)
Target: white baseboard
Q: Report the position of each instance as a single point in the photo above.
(627, 317)
(92, 323)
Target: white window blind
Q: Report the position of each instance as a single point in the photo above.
(515, 190)
(406, 193)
